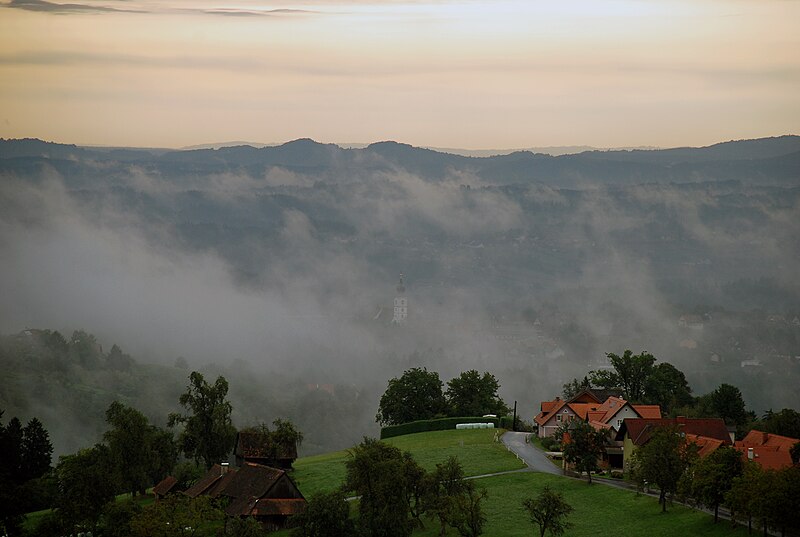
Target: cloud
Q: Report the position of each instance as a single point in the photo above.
(54, 7)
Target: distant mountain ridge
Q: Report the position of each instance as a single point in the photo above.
(775, 159)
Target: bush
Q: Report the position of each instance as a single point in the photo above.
(551, 444)
(424, 426)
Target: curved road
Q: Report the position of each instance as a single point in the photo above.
(530, 455)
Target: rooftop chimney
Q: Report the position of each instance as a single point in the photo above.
(223, 468)
(750, 454)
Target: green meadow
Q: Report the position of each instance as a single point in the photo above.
(599, 509)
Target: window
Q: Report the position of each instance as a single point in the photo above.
(619, 422)
(558, 418)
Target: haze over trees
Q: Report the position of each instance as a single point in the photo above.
(277, 267)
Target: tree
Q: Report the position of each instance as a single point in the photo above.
(468, 517)
(662, 462)
(727, 403)
(117, 517)
(549, 511)
(208, 433)
(713, 477)
(794, 452)
(584, 448)
(473, 394)
(128, 446)
(445, 485)
(25, 455)
(176, 516)
(631, 373)
(416, 395)
(574, 387)
(84, 487)
(142, 454)
(785, 423)
(375, 471)
(36, 450)
(326, 515)
(667, 387)
(742, 497)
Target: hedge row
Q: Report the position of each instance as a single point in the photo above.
(440, 424)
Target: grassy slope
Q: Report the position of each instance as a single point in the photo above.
(599, 509)
(475, 449)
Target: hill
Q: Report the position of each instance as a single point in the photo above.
(599, 509)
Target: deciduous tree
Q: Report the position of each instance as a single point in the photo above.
(727, 403)
(549, 511)
(473, 394)
(584, 448)
(631, 374)
(208, 433)
(662, 462)
(327, 515)
(85, 487)
(375, 471)
(712, 477)
(416, 395)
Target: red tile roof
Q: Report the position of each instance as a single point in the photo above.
(768, 457)
(757, 438)
(640, 429)
(704, 444)
(601, 413)
(648, 411)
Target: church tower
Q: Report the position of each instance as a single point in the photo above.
(400, 304)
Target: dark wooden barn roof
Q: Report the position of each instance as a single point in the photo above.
(165, 486)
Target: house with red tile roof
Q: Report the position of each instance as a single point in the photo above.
(770, 451)
(708, 434)
(608, 414)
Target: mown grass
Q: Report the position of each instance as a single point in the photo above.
(475, 448)
(599, 510)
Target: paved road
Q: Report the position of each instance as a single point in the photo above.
(530, 455)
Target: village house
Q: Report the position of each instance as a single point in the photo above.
(606, 413)
(770, 451)
(708, 434)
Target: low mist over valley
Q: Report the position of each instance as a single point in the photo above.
(278, 267)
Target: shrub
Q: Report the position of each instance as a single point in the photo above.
(424, 426)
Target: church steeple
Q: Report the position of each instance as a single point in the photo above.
(400, 304)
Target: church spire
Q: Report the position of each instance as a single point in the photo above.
(400, 304)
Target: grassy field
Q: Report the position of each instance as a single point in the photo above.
(599, 509)
(475, 449)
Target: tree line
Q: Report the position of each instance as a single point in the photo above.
(419, 394)
(643, 381)
(134, 455)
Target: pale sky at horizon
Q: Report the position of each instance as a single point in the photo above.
(468, 74)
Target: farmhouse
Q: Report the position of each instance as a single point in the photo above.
(586, 406)
(770, 451)
(707, 433)
(268, 494)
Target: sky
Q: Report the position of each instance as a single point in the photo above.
(466, 74)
